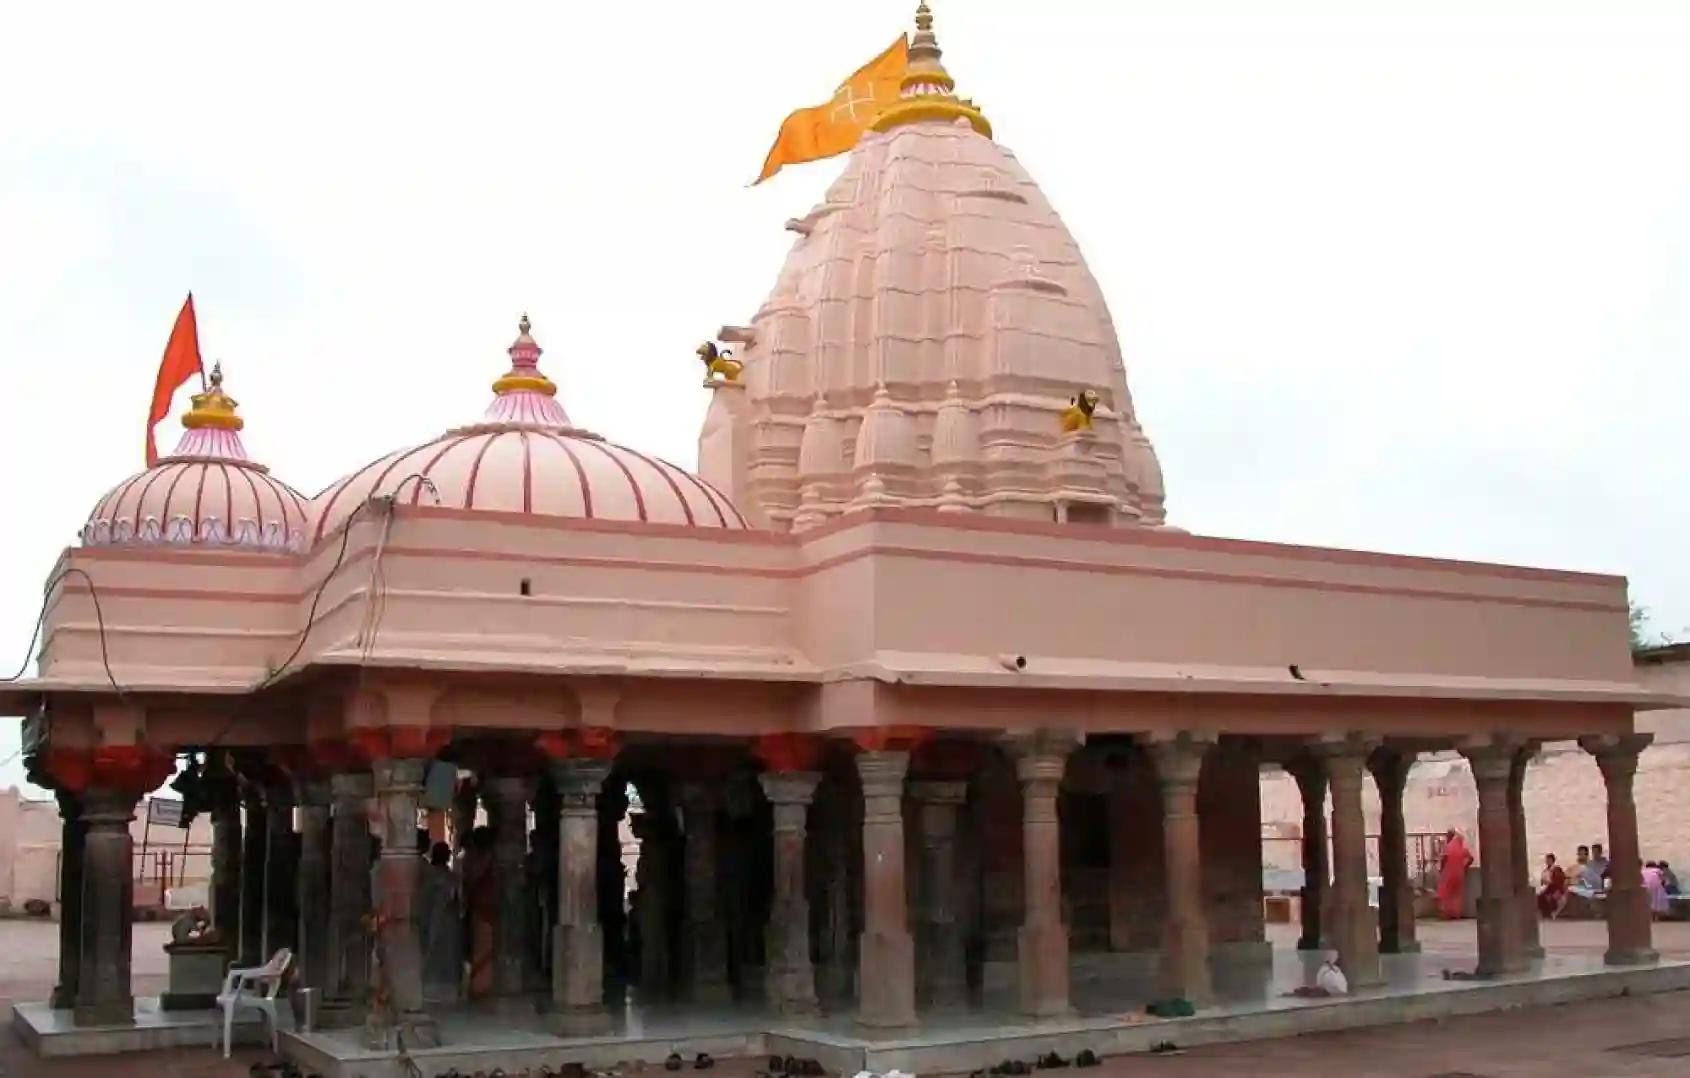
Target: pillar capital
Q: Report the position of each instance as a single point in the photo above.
(1491, 758)
(352, 785)
(1343, 756)
(883, 771)
(398, 774)
(789, 787)
(1390, 766)
(1616, 754)
(1042, 743)
(939, 792)
(312, 793)
(1179, 758)
(579, 780)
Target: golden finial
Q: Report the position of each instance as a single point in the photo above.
(928, 91)
(214, 408)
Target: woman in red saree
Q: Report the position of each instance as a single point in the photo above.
(1551, 888)
(1452, 876)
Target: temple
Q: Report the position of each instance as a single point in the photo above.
(925, 705)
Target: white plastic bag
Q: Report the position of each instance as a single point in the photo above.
(1332, 979)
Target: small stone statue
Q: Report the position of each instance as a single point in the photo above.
(193, 926)
(1077, 416)
(719, 364)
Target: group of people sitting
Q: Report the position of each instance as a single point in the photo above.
(1590, 877)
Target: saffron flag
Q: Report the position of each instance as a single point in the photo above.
(824, 130)
(181, 360)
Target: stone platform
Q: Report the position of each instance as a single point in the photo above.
(53, 1033)
(1108, 1019)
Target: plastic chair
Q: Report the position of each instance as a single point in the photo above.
(258, 988)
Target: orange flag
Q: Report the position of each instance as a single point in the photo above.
(181, 360)
(824, 130)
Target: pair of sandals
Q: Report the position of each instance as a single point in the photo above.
(794, 1067)
(701, 1062)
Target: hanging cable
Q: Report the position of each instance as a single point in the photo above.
(41, 618)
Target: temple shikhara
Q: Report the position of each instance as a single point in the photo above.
(921, 704)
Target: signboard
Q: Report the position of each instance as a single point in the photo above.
(164, 812)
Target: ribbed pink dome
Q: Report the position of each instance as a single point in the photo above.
(206, 492)
(524, 457)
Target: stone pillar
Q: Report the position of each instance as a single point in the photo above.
(941, 971)
(1390, 767)
(74, 831)
(507, 810)
(1042, 943)
(1185, 940)
(281, 899)
(1629, 927)
(886, 953)
(226, 871)
(578, 959)
(790, 978)
(1317, 872)
(313, 882)
(1353, 930)
(1499, 924)
(705, 937)
(108, 900)
(398, 789)
(348, 994)
(256, 841)
(1525, 889)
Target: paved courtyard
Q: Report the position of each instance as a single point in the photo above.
(1643, 1036)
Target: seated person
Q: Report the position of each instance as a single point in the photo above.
(194, 926)
(1669, 878)
(1551, 888)
(1594, 874)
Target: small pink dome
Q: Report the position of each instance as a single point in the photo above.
(524, 457)
(206, 492)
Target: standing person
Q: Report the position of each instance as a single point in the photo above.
(1669, 878)
(481, 900)
(1452, 876)
(1657, 888)
(440, 928)
(1551, 888)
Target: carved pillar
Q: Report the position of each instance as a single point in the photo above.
(313, 883)
(1317, 871)
(1357, 942)
(1185, 940)
(256, 841)
(886, 953)
(1525, 890)
(75, 830)
(1499, 925)
(226, 871)
(705, 938)
(507, 809)
(1629, 927)
(348, 993)
(578, 961)
(1042, 944)
(108, 900)
(281, 881)
(1390, 767)
(398, 789)
(791, 980)
(940, 964)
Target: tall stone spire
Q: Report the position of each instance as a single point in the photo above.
(928, 92)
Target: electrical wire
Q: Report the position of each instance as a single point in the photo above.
(41, 618)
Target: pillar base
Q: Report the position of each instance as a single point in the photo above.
(1411, 947)
(341, 1014)
(1495, 958)
(1645, 957)
(1185, 963)
(62, 998)
(886, 974)
(117, 1012)
(1043, 960)
(417, 1029)
(578, 969)
(580, 1021)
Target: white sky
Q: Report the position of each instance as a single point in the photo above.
(1408, 277)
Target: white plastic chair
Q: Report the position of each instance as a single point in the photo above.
(257, 987)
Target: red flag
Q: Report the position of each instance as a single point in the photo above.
(181, 359)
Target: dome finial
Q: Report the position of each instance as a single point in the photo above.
(213, 408)
(522, 325)
(928, 91)
(523, 395)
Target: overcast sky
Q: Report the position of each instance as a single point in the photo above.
(1405, 282)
